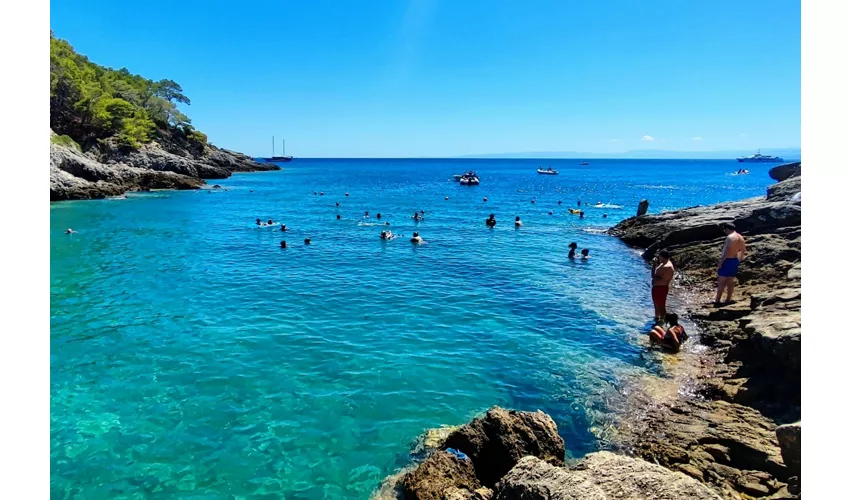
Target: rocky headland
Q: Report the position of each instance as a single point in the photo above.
(108, 169)
(734, 433)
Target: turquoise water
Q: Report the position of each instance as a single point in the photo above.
(192, 357)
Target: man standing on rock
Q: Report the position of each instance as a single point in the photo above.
(662, 275)
(732, 254)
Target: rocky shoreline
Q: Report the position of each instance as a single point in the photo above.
(734, 434)
(109, 170)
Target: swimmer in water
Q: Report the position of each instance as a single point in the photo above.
(386, 223)
(485, 199)
(604, 216)
(491, 222)
(337, 217)
(315, 193)
(422, 212)
(379, 215)
(447, 197)
(337, 203)
(346, 194)
(416, 239)
(306, 241)
(673, 338)
(416, 216)
(259, 222)
(573, 247)
(517, 222)
(269, 223)
(559, 202)
(581, 215)
(532, 201)
(282, 244)
(322, 193)
(69, 231)
(579, 203)
(283, 227)
(584, 254)
(550, 212)
(383, 235)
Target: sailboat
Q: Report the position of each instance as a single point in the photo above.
(274, 158)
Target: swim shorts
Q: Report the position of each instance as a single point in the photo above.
(659, 295)
(729, 268)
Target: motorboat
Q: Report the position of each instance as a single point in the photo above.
(760, 158)
(547, 171)
(470, 178)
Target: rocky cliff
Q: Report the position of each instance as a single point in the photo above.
(110, 170)
(748, 380)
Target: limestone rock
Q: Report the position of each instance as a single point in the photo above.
(785, 190)
(440, 474)
(499, 439)
(785, 171)
(599, 476)
(788, 436)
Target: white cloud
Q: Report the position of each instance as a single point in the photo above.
(647, 138)
(697, 138)
(613, 140)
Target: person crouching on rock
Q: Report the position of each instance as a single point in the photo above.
(662, 275)
(673, 338)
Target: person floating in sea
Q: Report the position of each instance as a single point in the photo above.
(581, 215)
(673, 338)
(387, 235)
(346, 194)
(532, 201)
(491, 222)
(573, 247)
(379, 215)
(259, 222)
(269, 223)
(585, 254)
(416, 216)
(662, 275)
(416, 238)
(69, 231)
(337, 217)
(315, 193)
(517, 222)
(366, 214)
(550, 212)
(322, 193)
(306, 241)
(485, 198)
(283, 227)
(604, 216)
(447, 198)
(731, 256)
(282, 244)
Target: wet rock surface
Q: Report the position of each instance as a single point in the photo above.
(749, 379)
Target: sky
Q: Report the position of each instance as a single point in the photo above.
(442, 78)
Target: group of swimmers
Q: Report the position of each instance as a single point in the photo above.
(585, 253)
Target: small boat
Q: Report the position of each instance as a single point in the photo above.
(470, 178)
(548, 171)
(584, 163)
(278, 159)
(741, 171)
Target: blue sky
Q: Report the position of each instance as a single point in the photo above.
(340, 78)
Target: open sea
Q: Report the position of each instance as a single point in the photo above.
(192, 357)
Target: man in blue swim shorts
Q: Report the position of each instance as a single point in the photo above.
(733, 253)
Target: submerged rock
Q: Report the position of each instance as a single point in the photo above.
(601, 476)
(498, 440)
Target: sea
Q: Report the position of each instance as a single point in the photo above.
(192, 357)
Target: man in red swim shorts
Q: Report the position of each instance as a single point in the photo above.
(662, 275)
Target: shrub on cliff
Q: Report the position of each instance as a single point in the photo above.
(89, 102)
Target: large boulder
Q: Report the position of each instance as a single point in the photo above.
(498, 440)
(785, 190)
(786, 171)
(788, 436)
(599, 476)
(441, 475)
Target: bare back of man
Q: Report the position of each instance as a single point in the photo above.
(731, 256)
(662, 275)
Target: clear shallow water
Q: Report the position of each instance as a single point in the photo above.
(192, 357)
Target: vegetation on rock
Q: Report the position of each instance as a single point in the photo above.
(89, 102)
